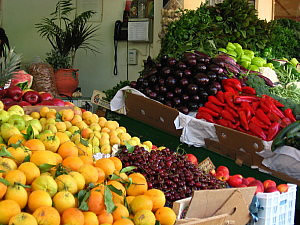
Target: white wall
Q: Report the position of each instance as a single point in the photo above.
(95, 71)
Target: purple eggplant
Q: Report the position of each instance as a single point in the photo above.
(178, 91)
(192, 89)
(153, 95)
(155, 88)
(191, 61)
(179, 74)
(189, 55)
(232, 68)
(152, 80)
(185, 98)
(212, 90)
(166, 71)
(203, 95)
(197, 53)
(169, 103)
(139, 81)
(188, 73)
(170, 95)
(145, 83)
(200, 67)
(212, 76)
(193, 106)
(158, 65)
(267, 80)
(172, 62)
(183, 109)
(196, 98)
(163, 90)
(226, 59)
(160, 98)
(184, 82)
(176, 101)
(201, 79)
(161, 82)
(171, 82)
(133, 84)
(181, 65)
(217, 85)
(219, 62)
(215, 68)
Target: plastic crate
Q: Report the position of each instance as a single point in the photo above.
(276, 208)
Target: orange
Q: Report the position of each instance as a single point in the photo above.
(67, 149)
(118, 186)
(18, 154)
(89, 172)
(101, 175)
(30, 170)
(106, 165)
(144, 217)
(17, 176)
(66, 182)
(90, 218)
(16, 138)
(166, 216)
(63, 200)
(23, 219)
(3, 189)
(79, 178)
(50, 141)
(120, 212)
(141, 202)
(158, 198)
(18, 194)
(87, 159)
(46, 183)
(96, 202)
(35, 115)
(38, 199)
(43, 157)
(7, 164)
(47, 215)
(67, 115)
(139, 186)
(43, 111)
(50, 115)
(123, 222)
(86, 132)
(35, 145)
(105, 218)
(86, 115)
(61, 126)
(137, 175)
(63, 137)
(117, 162)
(129, 199)
(72, 216)
(76, 119)
(8, 209)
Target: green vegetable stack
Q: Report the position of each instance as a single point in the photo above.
(245, 57)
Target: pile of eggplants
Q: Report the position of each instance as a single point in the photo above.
(185, 84)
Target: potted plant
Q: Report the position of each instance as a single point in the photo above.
(67, 32)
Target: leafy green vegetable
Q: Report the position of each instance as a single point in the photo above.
(291, 92)
(110, 93)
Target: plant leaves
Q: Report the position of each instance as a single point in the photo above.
(108, 200)
(45, 167)
(115, 177)
(5, 153)
(129, 147)
(23, 185)
(113, 189)
(83, 204)
(29, 133)
(127, 169)
(58, 117)
(3, 181)
(27, 158)
(16, 145)
(84, 142)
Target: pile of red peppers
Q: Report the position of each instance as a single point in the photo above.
(241, 109)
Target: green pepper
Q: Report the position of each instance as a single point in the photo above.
(222, 50)
(232, 53)
(245, 64)
(249, 53)
(238, 46)
(254, 68)
(230, 47)
(258, 61)
(270, 65)
(294, 62)
(245, 58)
(239, 52)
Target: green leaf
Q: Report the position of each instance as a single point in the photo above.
(58, 117)
(127, 169)
(83, 204)
(2, 180)
(16, 145)
(84, 142)
(113, 189)
(23, 185)
(29, 133)
(81, 195)
(115, 177)
(2, 171)
(5, 153)
(108, 200)
(27, 158)
(127, 206)
(157, 222)
(45, 167)
(129, 147)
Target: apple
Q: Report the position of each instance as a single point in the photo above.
(269, 183)
(259, 186)
(245, 182)
(192, 158)
(283, 188)
(235, 180)
(15, 93)
(3, 92)
(7, 102)
(16, 109)
(4, 116)
(222, 175)
(33, 97)
(250, 179)
(24, 103)
(58, 102)
(46, 96)
(45, 102)
(17, 121)
(242, 185)
(223, 168)
(270, 189)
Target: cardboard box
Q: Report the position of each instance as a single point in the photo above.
(152, 113)
(223, 206)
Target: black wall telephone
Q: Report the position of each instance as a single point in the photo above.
(120, 34)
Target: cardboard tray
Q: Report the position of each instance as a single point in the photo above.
(98, 99)
(152, 113)
(214, 220)
(37, 108)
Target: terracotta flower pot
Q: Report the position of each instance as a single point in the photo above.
(66, 81)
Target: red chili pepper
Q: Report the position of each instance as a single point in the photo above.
(222, 122)
(273, 131)
(229, 89)
(289, 114)
(276, 103)
(262, 117)
(259, 123)
(204, 115)
(248, 90)
(255, 105)
(213, 107)
(235, 83)
(257, 131)
(229, 99)
(264, 107)
(231, 111)
(240, 99)
(285, 122)
(220, 96)
(243, 120)
(277, 111)
(247, 106)
(227, 115)
(241, 129)
(209, 111)
(273, 117)
(214, 100)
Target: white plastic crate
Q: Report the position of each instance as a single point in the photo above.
(276, 208)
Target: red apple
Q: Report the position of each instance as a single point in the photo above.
(192, 158)
(33, 97)
(46, 96)
(235, 180)
(223, 168)
(270, 189)
(15, 93)
(222, 175)
(3, 92)
(58, 102)
(46, 102)
(23, 103)
(269, 183)
(250, 179)
(259, 186)
(283, 188)
(245, 182)
(242, 185)
(7, 101)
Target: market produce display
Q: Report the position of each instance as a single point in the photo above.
(49, 177)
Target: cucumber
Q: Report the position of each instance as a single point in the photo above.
(280, 136)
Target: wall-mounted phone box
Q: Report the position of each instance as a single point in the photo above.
(140, 30)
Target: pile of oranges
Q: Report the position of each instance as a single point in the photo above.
(52, 177)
